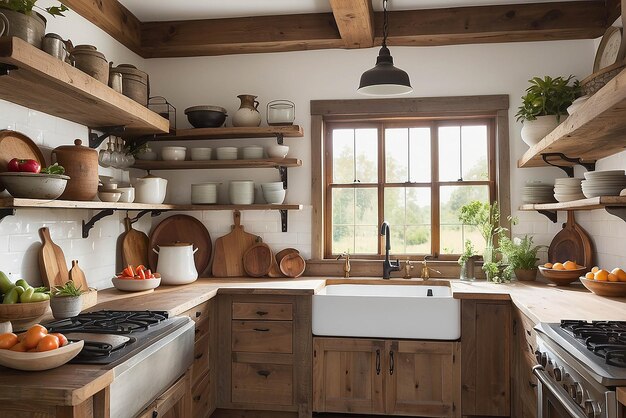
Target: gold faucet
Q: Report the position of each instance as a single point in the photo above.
(407, 269)
(346, 264)
(426, 270)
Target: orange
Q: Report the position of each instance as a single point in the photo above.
(33, 335)
(589, 276)
(548, 265)
(47, 343)
(601, 275)
(8, 340)
(18, 347)
(612, 278)
(62, 339)
(595, 269)
(558, 266)
(621, 274)
(570, 265)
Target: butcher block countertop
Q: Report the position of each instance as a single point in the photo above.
(72, 384)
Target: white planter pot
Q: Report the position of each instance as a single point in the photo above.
(534, 131)
(66, 306)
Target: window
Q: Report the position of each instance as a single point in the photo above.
(409, 161)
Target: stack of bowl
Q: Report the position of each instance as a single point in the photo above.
(253, 153)
(241, 192)
(603, 183)
(538, 192)
(273, 192)
(227, 153)
(204, 193)
(567, 189)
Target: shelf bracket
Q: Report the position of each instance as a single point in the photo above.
(619, 211)
(590, 166)
(279, 139)
(90, 224)
(550, 214)
(140, 215)
(4, 212)
(283, 175)
(5, 69)
(95, 140)
(283, 220)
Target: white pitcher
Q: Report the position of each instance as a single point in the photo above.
(176, 263)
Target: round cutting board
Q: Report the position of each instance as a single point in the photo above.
(182, 228)
(16, 145)
(572, 243)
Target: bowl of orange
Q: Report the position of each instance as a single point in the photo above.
(605, 283)
(562, 274)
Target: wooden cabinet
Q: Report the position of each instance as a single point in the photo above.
(265, 347)
(485, 358)
(173, 403)
(523, 383)
(411, 378)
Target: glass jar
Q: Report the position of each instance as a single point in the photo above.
(281, 113)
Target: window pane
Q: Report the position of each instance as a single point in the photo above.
(408, 210)
(453, 233)
(343, 155)
(343, 206)
(366, 240)
(474, 152)
(418, 239)
(420, 155)
(343, 239)
(449, 153)
(366, 141)
(355, 220)
(366, 209)
(397, 155)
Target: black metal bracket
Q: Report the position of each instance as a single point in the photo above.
(5, 69)
(569, 170)
(279, 139)
(283, 175)
(152, 213)
(619, 211)
(550, 214)
(4, 212)
(95, 140)
(283, 220)
(89, 224)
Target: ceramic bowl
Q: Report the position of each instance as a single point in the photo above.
(108, 187)
(34, 185)
(201, 154)
(128, 194)
(274, 185)
(241, 192)
(277, 151)
(227, 153)
(173, 153)
(206, 116)
(204, 193)
(45, 360)
(110, 197)
(135, 285)
(252, 153)
(147, 155)
(274, 197)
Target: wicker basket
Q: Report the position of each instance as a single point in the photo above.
(597, 80)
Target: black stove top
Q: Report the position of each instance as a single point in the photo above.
(605, 339)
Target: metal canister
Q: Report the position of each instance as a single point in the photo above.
(135, 83)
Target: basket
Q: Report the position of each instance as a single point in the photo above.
(597, 80)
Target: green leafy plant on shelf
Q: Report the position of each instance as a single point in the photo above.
(69, 289)
(520, 253)
(548, 96)
(26, 7)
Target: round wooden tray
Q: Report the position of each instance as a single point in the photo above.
(601, 288)
(40, 361)
(20, 311)
(562, 277)
(17, 145)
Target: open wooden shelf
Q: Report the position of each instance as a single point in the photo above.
(198, 134)
(213, 164)
(615, 205)
(36, 80)
(596, 130)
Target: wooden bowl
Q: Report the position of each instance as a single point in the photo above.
(135, 285)
(562, 277)
(601, 288)
(40, 361)
(19, 311)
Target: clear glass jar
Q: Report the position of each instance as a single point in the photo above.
(281, 113)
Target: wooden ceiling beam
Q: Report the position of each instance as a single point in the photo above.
(113, 18)
(355, 20)
(613, 10)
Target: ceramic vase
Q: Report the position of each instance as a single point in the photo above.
(248, 112)
(533, 131)
(66, 306)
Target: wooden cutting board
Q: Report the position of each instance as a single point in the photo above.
(571, 243)
(134, 246)
(77, 275)
(229, 250)
(257, 260)
(292, 265)
(52, 264)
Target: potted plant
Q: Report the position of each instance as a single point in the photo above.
(546, 99)
(66, 301)
(466, 261)
(521, 255)
(17, 18)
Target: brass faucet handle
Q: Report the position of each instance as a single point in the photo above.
(407, 269)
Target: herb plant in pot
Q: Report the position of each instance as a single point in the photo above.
(17, 18)
(522, 256)
(66, 301)
(467, 262)
(546, 99)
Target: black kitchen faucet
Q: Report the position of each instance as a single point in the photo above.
(388, 265)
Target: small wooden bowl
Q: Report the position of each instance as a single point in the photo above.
(562, 277)
(292, 265)
(602, 288)
(20, 311)
(40, 361)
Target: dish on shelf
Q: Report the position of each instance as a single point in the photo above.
(227, 153)
(577, 103)
(20, 311)
(253, 153)
(135, 285)
(274, 197)
(206, 116)
(173, 153)
(201, 154)
(204, 193)
(562, 277)
(537, 192)
(34, 185)
(38, 361)
(241, 192)
(605, 173)
(106, 196)
(14, 143)
(277, 151)
(601, 288)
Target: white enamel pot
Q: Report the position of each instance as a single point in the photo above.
(150, 189)
(176, 264)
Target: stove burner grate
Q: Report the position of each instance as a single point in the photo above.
(109, 322)
(606, 339)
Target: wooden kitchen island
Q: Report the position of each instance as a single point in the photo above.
(80, 390)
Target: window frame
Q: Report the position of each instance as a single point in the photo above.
(325, 113)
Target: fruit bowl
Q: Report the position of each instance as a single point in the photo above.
(135, 285)
(34, 185)
(562, 277)
(605, 288)
(19, 311)
(41, 361)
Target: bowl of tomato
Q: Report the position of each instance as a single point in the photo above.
(136, 279)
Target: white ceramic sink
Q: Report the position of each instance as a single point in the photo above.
(387, 311)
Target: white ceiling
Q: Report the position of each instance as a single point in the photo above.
(158, 10)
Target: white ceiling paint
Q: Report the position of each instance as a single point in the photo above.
(159, 10)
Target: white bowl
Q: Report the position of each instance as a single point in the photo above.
(34, 185)
(227, 153)
(577, 103)
(606, 173)
(44, 360)
(204, 193)
(128, 194)
(110, 197)
(252, 153)
(201, 154)
(173, 153)
(135, 285)
(147, 155)
(108, 187)
(277, 151)
(241, 192)
(274, 197)
(274, 185)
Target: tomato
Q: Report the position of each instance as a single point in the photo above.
(7, 340)
(142, 274)
(129, 271)
(33, 336)
(18, 347)
(139, 268)
(27, 166)
(62, 339)
(47, 343)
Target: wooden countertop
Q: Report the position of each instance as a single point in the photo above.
(72, 384)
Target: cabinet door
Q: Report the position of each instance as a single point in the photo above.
(348, 375)
(524, 383)
(423, 378)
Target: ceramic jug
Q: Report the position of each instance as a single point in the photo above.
(248, 113)
(176, 263)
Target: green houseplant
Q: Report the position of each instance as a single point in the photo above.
(546, 99)
(521, 255)
(19, 18)
(66, 301)
(466, 261)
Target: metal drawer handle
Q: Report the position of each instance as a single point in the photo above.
(197, 398)
(198, 356)
(391, 362)
(264, 373)
(155, 414)
(198, 314)
(564, 400)
(378, 361)
(261, 313)
(531, 384)
(261, 329)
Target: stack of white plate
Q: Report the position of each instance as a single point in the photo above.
(227, 153)
(567, 189)
(204, 193)
(537, 192)
(241, 192)
(603, 183)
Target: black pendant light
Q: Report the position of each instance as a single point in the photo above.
(385, 79)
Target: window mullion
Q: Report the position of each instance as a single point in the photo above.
(381, 181)
(435, 242)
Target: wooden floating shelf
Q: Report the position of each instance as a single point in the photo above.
(582, 204)
(197, 134)
(596, 130)
(215, 164)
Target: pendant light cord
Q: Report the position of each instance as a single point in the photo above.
(385, 23)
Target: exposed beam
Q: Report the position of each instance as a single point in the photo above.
(355, 20)
(613, 10)
(113, 18)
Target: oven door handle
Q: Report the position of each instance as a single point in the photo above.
(566, 402)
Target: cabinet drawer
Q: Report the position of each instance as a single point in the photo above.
(200, 359)
(201, 397)
(270, 384)
(262, 336)
(198, 313)
(260, 310)
(202, 329)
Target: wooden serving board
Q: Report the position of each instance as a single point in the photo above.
(77, 275)
(292, 265)
(52, 264)
(571, 243)
(257, 260)
(229, 250)
(16, 145)
(134, 246)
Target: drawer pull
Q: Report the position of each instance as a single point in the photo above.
(261, 329)
(196, 398)
(528, 332)
(198, 356)
(198, 314)
(261, 313)
(196, 331)
(264, 373)
(531, 384)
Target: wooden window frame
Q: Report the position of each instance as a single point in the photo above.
(492, 107)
